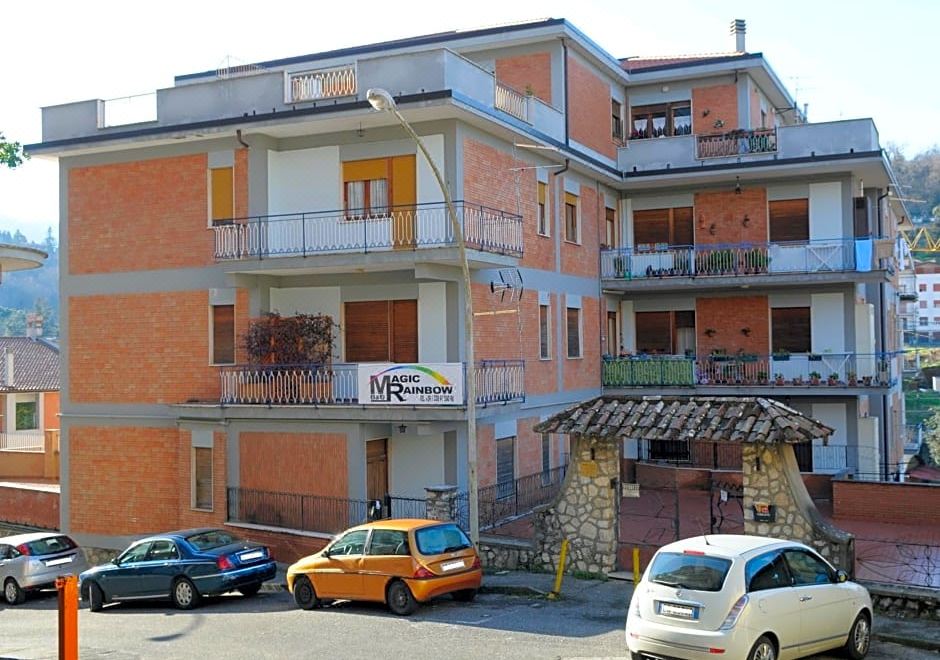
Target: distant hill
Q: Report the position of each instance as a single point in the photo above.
(35, 290)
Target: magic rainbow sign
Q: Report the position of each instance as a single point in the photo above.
(411, 384)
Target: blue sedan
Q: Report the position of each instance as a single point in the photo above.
(182, 566)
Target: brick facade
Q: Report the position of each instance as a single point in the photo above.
(725, 216)
(589, 111)
(303, 463)
(28, 506)
(887, 502)
(189, 517)
(581, 258)
(710, 105)
(527, 73)
(584, 372)
(728, 317)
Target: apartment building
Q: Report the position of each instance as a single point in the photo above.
(675, 224)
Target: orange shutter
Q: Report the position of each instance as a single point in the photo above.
(223, 193)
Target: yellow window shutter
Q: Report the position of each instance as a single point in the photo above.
(223, 193)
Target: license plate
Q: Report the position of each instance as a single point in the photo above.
(59, 562)
(677, 611)
(248, 556)
(452, 565)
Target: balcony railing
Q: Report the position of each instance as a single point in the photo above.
(320, 84)
(498, 381)
(723, 260)
(506, 501)
(824, 370)
(727, 456)
(736, 143)
(395, 228)
(512, 102)
(23, 441)
(829, 458)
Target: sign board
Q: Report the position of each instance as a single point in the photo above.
(629, 490)
(764, 512)
(411, 384)
(587, 469)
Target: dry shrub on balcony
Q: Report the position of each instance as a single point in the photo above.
(298, 339)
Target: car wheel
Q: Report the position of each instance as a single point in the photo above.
(465, 595)
(95, 597)
(13, 594)
(856, 647)
(763, 649)
(250, 590)
(184, 594)
(399, 598)
(304, 594)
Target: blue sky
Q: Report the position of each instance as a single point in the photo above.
(845, 59)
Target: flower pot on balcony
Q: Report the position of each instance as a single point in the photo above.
(779, 380)
(866, 381)
(832, 381)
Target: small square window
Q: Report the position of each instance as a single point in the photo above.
(26, 417)
(572, 228)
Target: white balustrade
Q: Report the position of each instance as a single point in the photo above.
(321, 84)
(22, 441)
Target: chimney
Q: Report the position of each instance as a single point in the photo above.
(34, 326)
(9, 368)
(738, 29)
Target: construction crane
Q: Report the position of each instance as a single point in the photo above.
(922, 240)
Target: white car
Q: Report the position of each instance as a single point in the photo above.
(745, 597)
(29, 562)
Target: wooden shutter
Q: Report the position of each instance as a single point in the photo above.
(573, 318)
(654, 332)
(543, 220)
(202, 478)
(682, 231)
(651, 226)
(366, 331)
(789, 220)
(544, 339)
(505, 464)
(222, 180)
(223, 334)
(790, 329)
(571, 218)
(404, 331)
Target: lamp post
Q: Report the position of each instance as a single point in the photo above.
(380, 99)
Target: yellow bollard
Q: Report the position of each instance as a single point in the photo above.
(68, 617)
(636, 566)
(561, 570)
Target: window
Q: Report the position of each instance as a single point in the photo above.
(439, 539)
(610, 224)
(697, 572)
(545, 337)
(389, 542)
(923, 304)
(211, 539)
(808, 569)
(222, 195)
(936, 303)
(573, 325)
(789, 220)
(136, 553)
(50, 545)
(163, 551)
(790, 330)
(381, 331)
(612, 339)
(202, 478)
(26, 417)
(768, 571)
(572, 230)
(223, 334)
(661, 120)
(860, 218)
(923, 320)
(546, 459)
(372, 187)
(936, 287)
(665, 333)
(543, 209)
(505, 467)
(616, 120)
(922, 287)
(653, 228)
(352, 543)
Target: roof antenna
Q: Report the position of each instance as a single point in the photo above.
(705, 536)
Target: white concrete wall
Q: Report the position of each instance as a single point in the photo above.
(428, 189)
(825, 210)
(432, 322)
(304, 180)
(865, 338)
(827, 323)
(414, 461)
(835, 416)
(627, 326)
(868, 445)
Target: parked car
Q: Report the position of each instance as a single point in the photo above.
(397, 562)
(745, 597)
(180, 566)
(29, 562)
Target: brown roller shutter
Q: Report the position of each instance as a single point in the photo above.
(654, 332)
(790, 329)
(366, 331)
(404, 331)
(682, 226)
(651, 226)
(223, 334)
(789, 220)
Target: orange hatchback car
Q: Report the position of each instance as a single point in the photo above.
(397, 562)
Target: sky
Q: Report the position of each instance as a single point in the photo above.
(845, 58)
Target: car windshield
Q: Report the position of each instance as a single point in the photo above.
(211, 539)
(51, 545)
(440, 539)
(689, 571)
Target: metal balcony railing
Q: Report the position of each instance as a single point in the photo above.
(320, 84)
(833, 370)
(736, 143)
(791, 257)
(356, 230)
(498, 381)
(727, 456)
(512, 102)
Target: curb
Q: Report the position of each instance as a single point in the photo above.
(914, 642)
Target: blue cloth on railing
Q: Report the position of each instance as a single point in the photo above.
(863, 252)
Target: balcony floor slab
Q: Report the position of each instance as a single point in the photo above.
(721, 282)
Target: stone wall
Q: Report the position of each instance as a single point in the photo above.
(505, 553)
(905, 602)
(772, 476)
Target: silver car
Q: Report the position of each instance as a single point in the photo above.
(33, 561)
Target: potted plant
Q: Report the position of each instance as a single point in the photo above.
(814, 357)
(814, 377)
(779, 380)
(866, 381)
(747, 357)
(797, 380)
(762, 377)
(852, 378)
(781, 355)
(720, 355)
(833, 379)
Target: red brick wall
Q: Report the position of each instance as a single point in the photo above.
(583, 372)
(901, 504)
(582, 259)
(145, 348)
(123, 480)
(24, 506)
(727, 316)
(188, 516)
(528, 447)
(726, 210)
(304, 463)
(589, 120)
(721, 102)
(486, 454)
(540, 375)
(533, 71)
(144, 215)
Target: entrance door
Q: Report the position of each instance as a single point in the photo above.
(376, 468)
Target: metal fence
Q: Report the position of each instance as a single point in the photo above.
(727, 456)
(736, 143)
(22, 441)
(897, 561)
(311, 513)
(506, 501)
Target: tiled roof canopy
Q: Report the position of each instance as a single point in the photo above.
(35, 365)
(715, 418)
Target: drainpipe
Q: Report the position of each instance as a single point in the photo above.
(564, 66)
(884, 326)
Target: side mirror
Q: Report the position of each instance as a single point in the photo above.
(325, 553)
(842, 576)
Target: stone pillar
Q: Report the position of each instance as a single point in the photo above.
(772, 478)
(440, 502)
(585, 511)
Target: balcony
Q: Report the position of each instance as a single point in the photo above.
(320, 84)
(825, 373)
(717, 264)
(736, 143)
(419, 226)
(498, 382)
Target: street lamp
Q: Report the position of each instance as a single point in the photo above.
(380, 99)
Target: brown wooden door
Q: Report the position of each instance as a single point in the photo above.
(376, 469)
(404, 336)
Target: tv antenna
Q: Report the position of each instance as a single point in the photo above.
(510, 282)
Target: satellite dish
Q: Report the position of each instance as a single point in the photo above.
(510, 281)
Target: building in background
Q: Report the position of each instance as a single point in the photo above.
(677, 226)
